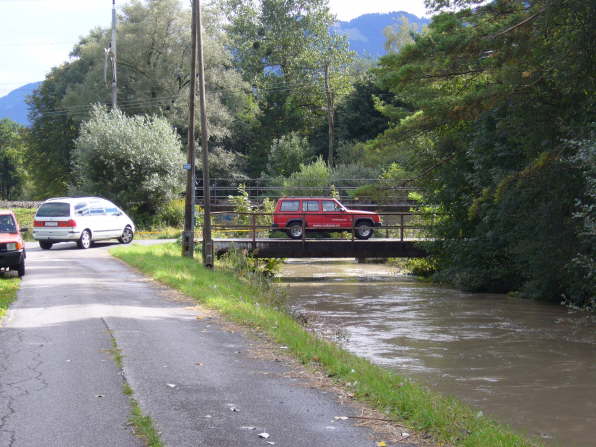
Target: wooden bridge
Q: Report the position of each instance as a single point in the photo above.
(399, 237)
(321, 248)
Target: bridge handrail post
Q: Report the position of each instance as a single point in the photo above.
(401, 227)
(303, 228)
(254, 230)
(386, 229)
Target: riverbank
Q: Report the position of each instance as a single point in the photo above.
(258, 306)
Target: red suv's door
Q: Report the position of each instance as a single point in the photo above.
(335, 216)
(312, 211)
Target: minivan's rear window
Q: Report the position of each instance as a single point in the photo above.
(54, 209)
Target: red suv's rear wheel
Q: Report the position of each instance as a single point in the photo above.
(295, 230)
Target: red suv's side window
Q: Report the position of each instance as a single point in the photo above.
(310, 205)
(330, 205)
(290, 205)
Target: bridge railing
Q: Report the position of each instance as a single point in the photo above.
(221, 189)
(254, 225)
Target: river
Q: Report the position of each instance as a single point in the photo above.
(526, 364)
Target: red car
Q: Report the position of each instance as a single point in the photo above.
(12, 247)
(321, 214)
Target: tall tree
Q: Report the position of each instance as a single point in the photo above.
(12, 150)
(399, 35)
(297, 68)
(499, 89)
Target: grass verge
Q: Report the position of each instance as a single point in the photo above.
(446, 419)
(8, 293)
(143, 425)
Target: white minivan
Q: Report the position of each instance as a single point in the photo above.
(81, 220)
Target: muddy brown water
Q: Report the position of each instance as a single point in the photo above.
(526, 364)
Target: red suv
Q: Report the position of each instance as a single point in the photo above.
(321, 214)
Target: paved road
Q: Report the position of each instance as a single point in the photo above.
(59, 385)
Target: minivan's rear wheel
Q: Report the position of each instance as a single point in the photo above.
(127, 236)
(295, 230)
(45, 245)
(364, 230)
(85, 240)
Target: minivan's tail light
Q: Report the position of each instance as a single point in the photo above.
(64, 223)
(68, 223)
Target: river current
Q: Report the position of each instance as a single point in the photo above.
(526, 364)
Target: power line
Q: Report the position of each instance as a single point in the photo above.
(163, 100)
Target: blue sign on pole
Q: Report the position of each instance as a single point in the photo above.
(186, 166)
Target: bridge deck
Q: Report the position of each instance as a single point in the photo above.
(322, 248)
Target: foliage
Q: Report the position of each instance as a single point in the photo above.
(582, 267)
(384, 190)
(345, 174)
(222, 164)
(52, 134)
(298, 70)
(359, 117)
(244, 208)
(287, 154)
(399, 35)
(171, 214)
(12, 151)
(310, 180)
(256, 270)
(419, 267)
(134, 161)
(498, 89)
(8, 293)
(154, 45)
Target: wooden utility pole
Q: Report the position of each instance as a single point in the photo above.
(188, 236)
(330, 116)
(207, 241)
(113, 49)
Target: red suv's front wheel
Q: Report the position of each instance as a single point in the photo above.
(364, 230)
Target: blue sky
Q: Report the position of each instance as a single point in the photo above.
(36, 35)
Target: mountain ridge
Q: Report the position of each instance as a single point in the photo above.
(365, 32)
(13, 105)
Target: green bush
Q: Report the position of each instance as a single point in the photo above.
(311, 180)
(134, 161)
(171, 214)
(287, 154)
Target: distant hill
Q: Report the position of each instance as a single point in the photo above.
(13, 105)
(365, 33)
